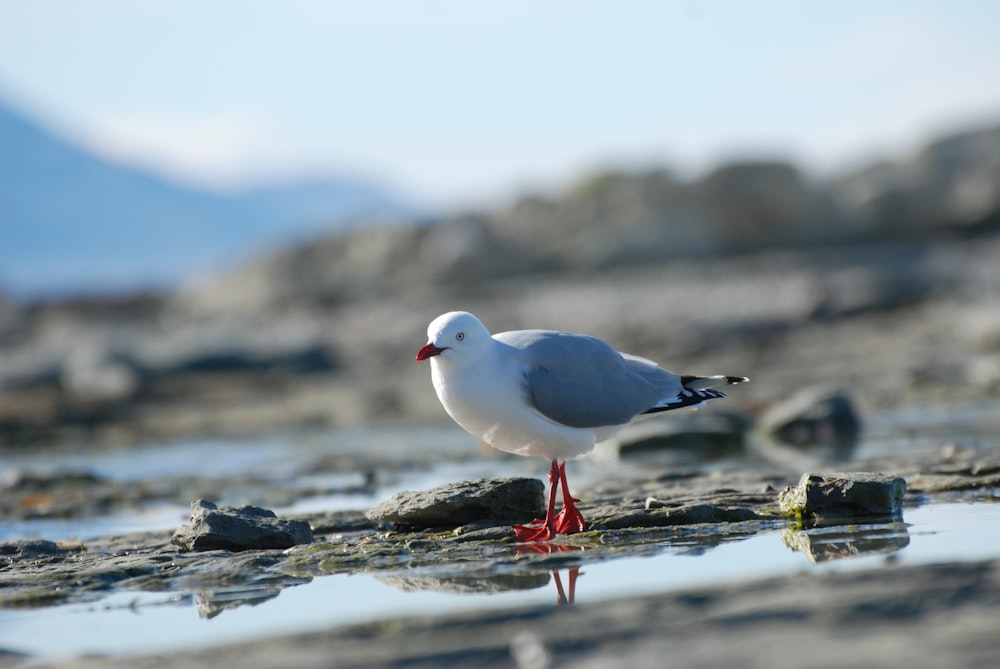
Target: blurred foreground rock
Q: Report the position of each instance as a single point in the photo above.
(818, 419)
(695, 435)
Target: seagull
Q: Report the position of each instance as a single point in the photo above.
(549, 394)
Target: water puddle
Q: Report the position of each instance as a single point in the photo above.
(324, 491)
(311, 472)
(133, 622)
(353, 470)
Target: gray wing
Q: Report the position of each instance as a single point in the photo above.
(581, 381)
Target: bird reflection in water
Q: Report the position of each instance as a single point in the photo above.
(563, 596)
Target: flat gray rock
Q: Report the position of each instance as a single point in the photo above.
(507, 500)
(30, 548)
(844, 495)
(238, 528)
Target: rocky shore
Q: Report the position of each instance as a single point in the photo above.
(857, 616)
(752, 269)
(872, 294)
(787, 320)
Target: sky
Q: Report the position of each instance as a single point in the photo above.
(455, 102)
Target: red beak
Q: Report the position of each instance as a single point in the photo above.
(428, 351)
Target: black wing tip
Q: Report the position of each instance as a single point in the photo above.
(687, 398)
(688, 379)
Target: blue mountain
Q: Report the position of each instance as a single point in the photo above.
(74, 223)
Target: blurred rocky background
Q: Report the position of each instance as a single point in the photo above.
(216, 221)
(882, 280)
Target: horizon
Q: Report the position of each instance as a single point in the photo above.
(452, 106)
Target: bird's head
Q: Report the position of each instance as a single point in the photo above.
(455, 335)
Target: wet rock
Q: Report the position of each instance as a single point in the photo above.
(238, 528)
(483, 530)
(818, 419)
(505, 501)
(658, 514)
(30, 548)
(839, 496)
(700, 436)
(957, 471)
(331, 522)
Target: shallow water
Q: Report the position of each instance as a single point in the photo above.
(312, 469)
(411, 459)
(133, 622)
(300, 465)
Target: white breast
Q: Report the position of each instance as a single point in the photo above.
(489, 401)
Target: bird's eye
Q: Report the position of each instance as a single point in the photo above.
(460, 336)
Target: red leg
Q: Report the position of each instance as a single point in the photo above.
(574, 573)
(560, 593)
(545, 532)
(561, 597)
(569, 520)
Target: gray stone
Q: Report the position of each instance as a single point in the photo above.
(509, 500)
(330, 522)
(657, 514)
(30, 548)
(839, 496)
(238, 528)
(957, 470)
(818, 419)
